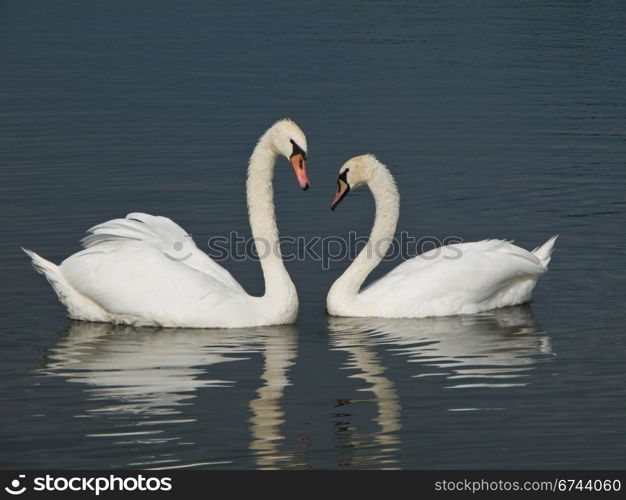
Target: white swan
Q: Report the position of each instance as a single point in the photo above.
(130, 270)
(463, 278)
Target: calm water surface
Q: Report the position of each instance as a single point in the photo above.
(498, 120)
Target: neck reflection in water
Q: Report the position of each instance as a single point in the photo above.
(494, 349)
(350, 335)
(267, 414)
(147, 376)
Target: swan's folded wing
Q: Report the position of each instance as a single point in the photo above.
(164, 235)
(130, 279)
(474, 270)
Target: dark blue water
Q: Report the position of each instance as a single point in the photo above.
(503, 120)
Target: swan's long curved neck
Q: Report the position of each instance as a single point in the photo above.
(260, 194)
(387, 199)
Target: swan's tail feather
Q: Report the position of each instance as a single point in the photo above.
(544, 252)
(78, 306)
(52, 273)
(41, 265)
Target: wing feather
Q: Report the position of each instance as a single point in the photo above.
(162, 234)
(466, 271)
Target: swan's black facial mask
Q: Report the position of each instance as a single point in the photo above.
(297, 150)
(298, 162)
(343, 188)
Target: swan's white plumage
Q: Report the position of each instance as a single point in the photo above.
(123, 279)
(462, 278)
(146, 270)
(163, 234)
(135, 282)
(456, 279)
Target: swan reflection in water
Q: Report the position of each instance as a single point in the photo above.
(490, 350)
(351, 335)
(493, 349)
(149, 375)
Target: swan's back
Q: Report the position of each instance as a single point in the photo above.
(147, 270)
(461, 278)
(162, 234)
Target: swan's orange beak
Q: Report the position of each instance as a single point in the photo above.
(342, 190)
(299, 167)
